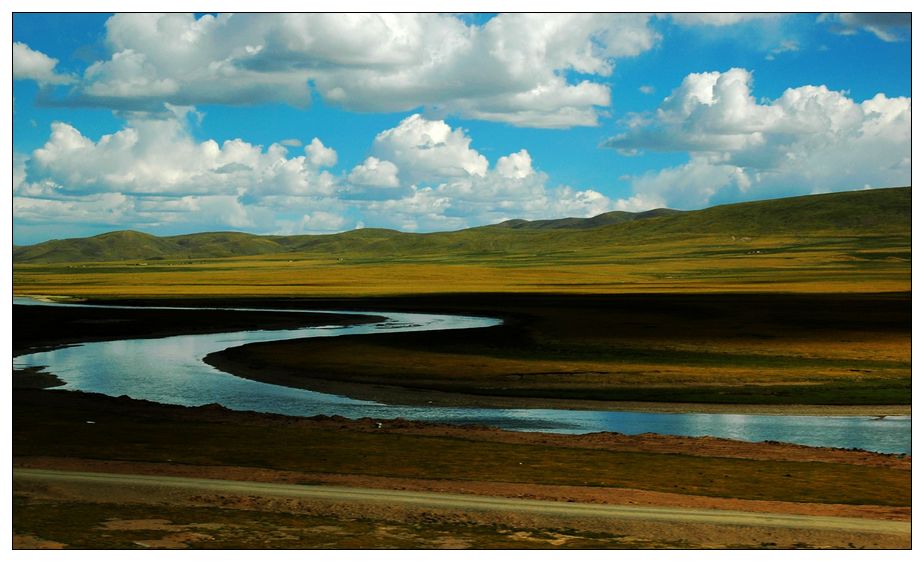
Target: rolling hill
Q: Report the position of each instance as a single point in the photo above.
(854, 213)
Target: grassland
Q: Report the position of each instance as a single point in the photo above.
(811, 264)
(855, 241)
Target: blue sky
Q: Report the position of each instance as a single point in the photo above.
(310, 124)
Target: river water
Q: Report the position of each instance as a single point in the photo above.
(171, 371)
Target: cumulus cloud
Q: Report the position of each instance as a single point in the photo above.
(375, 172)
(34, 65)
(453, 186)
(516, 166)
(484, 200)
(319, 155)
(810, 139)
(889, 27)
(158, 156)
(425, 150)
(152, 173)
(512, 68)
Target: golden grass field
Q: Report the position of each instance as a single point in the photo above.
(699, 264)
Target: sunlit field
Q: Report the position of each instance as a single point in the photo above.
(700, 264)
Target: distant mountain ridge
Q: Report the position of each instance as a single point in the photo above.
(850, 213)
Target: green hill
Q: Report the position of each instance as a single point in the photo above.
(855, 213)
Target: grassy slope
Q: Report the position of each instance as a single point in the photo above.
(855, 241)
(885, 211)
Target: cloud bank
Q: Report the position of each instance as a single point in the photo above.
(514, 68)
(421, 175)
(810, 139)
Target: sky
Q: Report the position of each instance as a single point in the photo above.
(319, 123)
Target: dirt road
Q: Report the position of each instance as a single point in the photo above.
(139, 484)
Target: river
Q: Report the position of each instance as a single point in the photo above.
(171, 371)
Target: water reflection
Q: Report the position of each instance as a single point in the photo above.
(170, 370)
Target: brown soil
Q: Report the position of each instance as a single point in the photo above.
(31, 542)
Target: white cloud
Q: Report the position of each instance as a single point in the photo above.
(718, 19)
(691, 186)
(422, 209)
(315, 222)
(478, 195)
(290, 142)
(515, 166)
(511, 69)
(646, 89)
(375, 172)
(427, 151)
(105, 209)
(809, 139)
(153, 175)
(890, 26)
(34, 65)
(158, 156)
(319, 155)
(785, 46)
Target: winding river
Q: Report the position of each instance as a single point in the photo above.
(171, 371)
